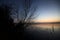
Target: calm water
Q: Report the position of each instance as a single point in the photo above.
(45, 26)
(43, 31)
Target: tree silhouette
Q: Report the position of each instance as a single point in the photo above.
(26, 16)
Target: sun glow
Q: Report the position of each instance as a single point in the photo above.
(47, 26)
(47, 20)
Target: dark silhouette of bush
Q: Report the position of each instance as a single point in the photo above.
(6, 22)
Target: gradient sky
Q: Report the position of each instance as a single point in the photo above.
(48, 10)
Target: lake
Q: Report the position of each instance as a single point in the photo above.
(43, 32)
(44, 27)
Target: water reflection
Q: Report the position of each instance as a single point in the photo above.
(44, 31)
(45, 26)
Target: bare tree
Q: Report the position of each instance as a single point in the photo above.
(29, 12)
(26, 15)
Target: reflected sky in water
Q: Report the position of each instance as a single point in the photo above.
(44, 26)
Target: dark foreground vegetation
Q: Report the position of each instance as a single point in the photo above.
(11, 31)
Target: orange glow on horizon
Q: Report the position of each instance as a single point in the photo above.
(47, 20)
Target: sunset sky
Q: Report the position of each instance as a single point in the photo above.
(47, 10)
